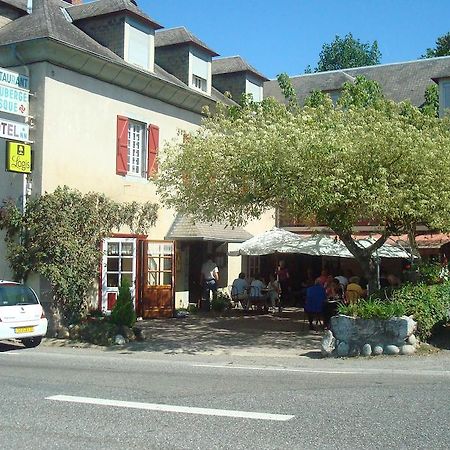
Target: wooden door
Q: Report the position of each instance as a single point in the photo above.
(158, 280)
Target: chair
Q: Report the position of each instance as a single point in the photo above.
(236, 299)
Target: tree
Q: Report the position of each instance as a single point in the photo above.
(347, 52)
(431, 104)
(442, 47)
(59, 237)
(385, 162)
(123, 313)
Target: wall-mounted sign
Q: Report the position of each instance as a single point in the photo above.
(14, 130)
(14, 101)
(18, 157)
(14, 79)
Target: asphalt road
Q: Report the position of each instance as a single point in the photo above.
(95, 399)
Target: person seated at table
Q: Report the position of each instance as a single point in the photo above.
(257, 296)
(334, 299)
(354, 291)
(273, 290)
(314, 304)
(239, 289)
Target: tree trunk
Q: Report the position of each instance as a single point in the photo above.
(366, 258)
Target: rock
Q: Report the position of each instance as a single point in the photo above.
(127, 333)
(343, 349)
(139, 333)
(63, 333)
(412, 340)
(354, 351)
(328, 344)
(391, 350)
(407, 349)
(366, 350)
(378, 350)
(119, 340)
(74, 332)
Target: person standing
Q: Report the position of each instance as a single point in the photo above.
(284, 282)
(209, 279)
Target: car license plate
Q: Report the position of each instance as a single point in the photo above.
(24, 330)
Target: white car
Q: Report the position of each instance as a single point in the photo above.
(21, 314)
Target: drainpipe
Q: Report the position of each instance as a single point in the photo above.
(27, 70)
(29, 6)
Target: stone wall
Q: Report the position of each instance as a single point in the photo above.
(351, 336)
(175, 60)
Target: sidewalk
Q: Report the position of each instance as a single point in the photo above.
(238, 333)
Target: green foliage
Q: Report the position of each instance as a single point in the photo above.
(428, 304)
(431, 105)
(317, 99)
(367, 158)
(347, 52)
(98, 332)
(286, 88)
(442, 47)
(60, 238)
(192, 309)
(123, 311)
(362, 93)
(373, 308)
(221, 302)
(429, 272)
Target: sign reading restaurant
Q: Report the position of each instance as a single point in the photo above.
(14, 79)
(14, 94)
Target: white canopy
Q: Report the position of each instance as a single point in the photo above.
(277, 240)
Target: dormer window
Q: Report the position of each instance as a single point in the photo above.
(254, 88)
(139, 44)
(444, 97)
(200, 68)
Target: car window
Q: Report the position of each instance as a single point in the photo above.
(11, 295)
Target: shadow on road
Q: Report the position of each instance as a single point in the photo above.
(10, 346)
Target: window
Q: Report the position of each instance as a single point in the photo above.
(199, 83)
(253, 266)
(119, 263)
(159, 264)
(137, 148)
(445, 98)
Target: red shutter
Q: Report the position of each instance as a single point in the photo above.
(122, 146)
(153, 147)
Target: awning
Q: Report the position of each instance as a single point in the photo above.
(277, 240)
(185, 228)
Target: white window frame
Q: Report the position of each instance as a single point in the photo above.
(137, 149)
(199, 83)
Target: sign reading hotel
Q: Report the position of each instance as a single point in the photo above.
(14, 130)
(18, 157)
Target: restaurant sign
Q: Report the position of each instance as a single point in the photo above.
(14, 130)
(13, 79)
(18, 157)
(14, 101)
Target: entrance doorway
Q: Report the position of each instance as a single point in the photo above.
(157, 298)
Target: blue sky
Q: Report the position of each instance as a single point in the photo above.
(286, 36)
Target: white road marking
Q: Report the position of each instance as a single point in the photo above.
(364, 371)
(172, 408)
(277, 369)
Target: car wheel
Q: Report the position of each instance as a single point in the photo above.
(32, 342)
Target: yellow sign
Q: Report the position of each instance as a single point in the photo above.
(18, 157)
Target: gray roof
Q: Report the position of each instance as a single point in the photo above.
(18, 4)
(48, 21)
(399, 81)
(180, 35)
(185, 228)
(232, 64)
(103, 7)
